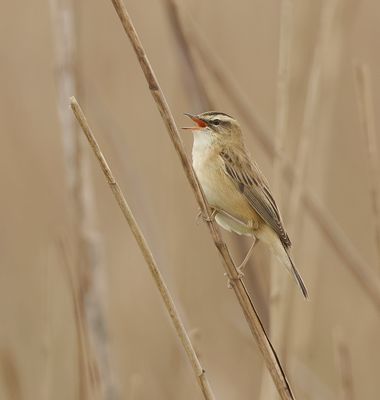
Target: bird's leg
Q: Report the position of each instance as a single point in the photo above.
(242, 265)
(200, 216)
(246, 259)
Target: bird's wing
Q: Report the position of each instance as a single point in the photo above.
(251, 182)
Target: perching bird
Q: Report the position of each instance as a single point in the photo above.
(235, 188)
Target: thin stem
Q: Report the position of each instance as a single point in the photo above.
(85, 369)
(140, 239)
(307, 136)
(194, 85)
(270, 357)
(307, 129)
(10, 375)
(283, 95)
(88, 241)
(230, 87)
(367, 120)
(344, 366)
(278, 279)
(352, 259)
(279, 283)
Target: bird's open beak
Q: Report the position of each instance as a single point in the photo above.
(200, 123)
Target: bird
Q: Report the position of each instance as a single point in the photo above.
(236, 189)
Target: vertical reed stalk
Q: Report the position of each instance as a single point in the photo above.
(195, 88)
(363, 83)
(83, 344)
(344, 367)
(312, 96)
(279, 283)
(89, 248)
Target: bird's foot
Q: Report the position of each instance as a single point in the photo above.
(231, 280)
(201, 217)
(240, 268)
(240, 271)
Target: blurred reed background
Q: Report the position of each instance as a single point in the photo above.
(80, 315)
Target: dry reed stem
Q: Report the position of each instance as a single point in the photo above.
(278, 279)
(89, 245)
(352, 259)
(136, 383)
(229, 86)
(279, 283)
(344, 366)
(307, 129)
(367, 120)
(194, 85)
(86, 378)
(328, 106)
(10, 374)
(317, 211)
(310, 382)
(283, 95)
(267, 350)
(64, 40)
(302, 158)
(47, 336)
(140, 239)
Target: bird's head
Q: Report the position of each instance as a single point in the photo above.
(220, 126)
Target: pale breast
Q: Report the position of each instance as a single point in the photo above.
(206, 166)
(220, 191)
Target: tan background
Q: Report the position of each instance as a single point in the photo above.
(38, 343)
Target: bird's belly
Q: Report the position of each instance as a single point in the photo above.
(221, 193)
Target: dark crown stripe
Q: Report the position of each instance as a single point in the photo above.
(214, 113)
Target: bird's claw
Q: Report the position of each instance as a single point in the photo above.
(231, 280)
(201, 217)
(240, 272)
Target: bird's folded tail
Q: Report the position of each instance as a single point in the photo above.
(296, 275)
(268, 236)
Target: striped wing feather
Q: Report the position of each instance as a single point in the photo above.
(251, 182)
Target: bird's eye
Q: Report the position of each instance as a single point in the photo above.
(216, 122)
